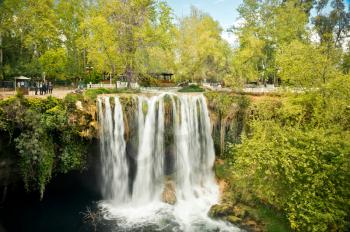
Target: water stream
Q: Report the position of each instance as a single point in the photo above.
(174, 184)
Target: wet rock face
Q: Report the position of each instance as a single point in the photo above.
(237, 214)
(233, 219)
(169, 194)
(79, 105)
(8, 175)
(219, 211)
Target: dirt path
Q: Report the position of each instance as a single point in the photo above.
(59, 93)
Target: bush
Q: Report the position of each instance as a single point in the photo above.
(296, 158)
(71, 99)
(148, 81)
(191, 88)
(127, 90)
(47, 137)
(92, 94)
(36, 159)
(301, 172)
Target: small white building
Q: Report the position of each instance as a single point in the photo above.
(22, 84)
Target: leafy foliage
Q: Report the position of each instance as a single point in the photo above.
(277, 45)
(305, 65)
(46, 137)
(37, 158)
(295, 156)
(203, 54)
(191, 88)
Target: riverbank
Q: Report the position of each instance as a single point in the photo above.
(250, 215)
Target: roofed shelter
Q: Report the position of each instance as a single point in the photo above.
(165, 76)
(22, 84)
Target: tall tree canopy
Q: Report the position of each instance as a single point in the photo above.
(269, 29)
(202, 53)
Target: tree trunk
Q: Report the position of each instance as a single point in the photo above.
(1, 58)
(112, 74)
(84, 59)
(129, 75)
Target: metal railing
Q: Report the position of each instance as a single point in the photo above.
(7, 85)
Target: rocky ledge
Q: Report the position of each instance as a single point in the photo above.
(238, 214)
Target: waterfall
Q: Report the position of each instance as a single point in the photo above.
(112, 143)
(194, 148)
(174, 144)
(150, 158)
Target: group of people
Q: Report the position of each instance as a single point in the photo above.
(43, 87)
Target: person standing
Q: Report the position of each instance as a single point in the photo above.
(41, 88)
(50, 87)
(36, 87)
(45, 87)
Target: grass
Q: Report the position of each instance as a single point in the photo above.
(191, 89)
(274, 221)
(126, 90)
(93, 93)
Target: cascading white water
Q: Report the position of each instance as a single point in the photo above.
(192, 153)
(194, 148)
(115, 168)
(150, 159)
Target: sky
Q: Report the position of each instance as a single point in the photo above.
(224, 11)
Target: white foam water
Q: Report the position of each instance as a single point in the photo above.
(192, 167)
(113, 153)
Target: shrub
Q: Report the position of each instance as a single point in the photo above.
(92, 94)
(47, 137)
(301, 172)
(191, 88)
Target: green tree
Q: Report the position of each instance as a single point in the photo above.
(346, 61)
(53, 62)
(132, 19)
(101, 44)
(332, 27)
(35, 23)
(71, 15)
(202, 53)
(159, 55)
(266, 27)
(29, 28)
(305, 65)
(116, 31)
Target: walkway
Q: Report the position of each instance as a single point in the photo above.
(59, 93)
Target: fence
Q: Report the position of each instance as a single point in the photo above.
(260, 89)
(7, 85)
(157, 89)
(118, 85)
(100, 85)
(124, 84)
